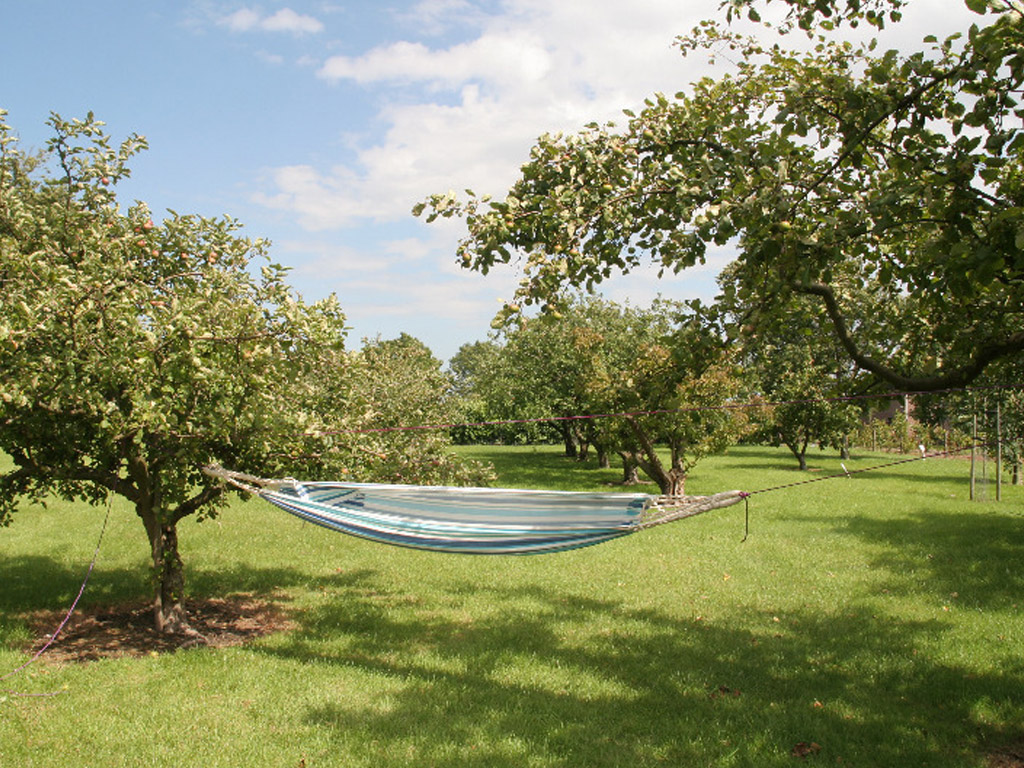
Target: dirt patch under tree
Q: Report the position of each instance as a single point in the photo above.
(127, 630)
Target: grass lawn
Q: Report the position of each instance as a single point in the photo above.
(870, 621)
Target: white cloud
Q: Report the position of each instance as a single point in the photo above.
(434, 17)
(466, 115)
(284, 20)
(409, 284)
(287, 20)
(320, 201)
(242, 20)
(514, 60)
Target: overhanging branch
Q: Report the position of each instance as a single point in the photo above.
(943, 379)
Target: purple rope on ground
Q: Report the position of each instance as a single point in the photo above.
(67, 616)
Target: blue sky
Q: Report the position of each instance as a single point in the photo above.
(319, 124)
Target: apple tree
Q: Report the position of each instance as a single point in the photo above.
(134, 352)
(684, 386)
(627, 380)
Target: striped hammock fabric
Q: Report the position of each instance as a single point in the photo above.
(483, 521)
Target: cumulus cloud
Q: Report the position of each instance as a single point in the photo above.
(519, 59)
(284, 20)
(465, 114)
(405, 283)
(458, 102)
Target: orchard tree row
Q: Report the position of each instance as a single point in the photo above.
(664, 386)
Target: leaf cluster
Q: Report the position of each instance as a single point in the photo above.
(900, 171)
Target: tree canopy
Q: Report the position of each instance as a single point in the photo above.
(134, 352)
(837, 166)
(622, 379)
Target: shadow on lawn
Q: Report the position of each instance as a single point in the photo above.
(975, 557)
(33, 582)
(492, 675)
(521, 684)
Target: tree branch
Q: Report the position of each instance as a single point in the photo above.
(209, 494)
(942, 379)
(907, 101)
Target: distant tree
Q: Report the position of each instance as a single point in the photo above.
(905, 170)
(537, 375)
(134, 352)
(604, 337)
(479, 390)
(994, 410)
(663, 371)
(633, 381)
(806, 396)
(796, 365)
(1012, 436)
(407, 399)
(684, 390)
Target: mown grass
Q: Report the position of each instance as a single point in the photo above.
(878, 617)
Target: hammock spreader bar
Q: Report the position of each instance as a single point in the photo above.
(483, 521)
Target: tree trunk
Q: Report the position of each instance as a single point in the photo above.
(569, 440)
(801, 456)
(602, 456)
(583, 451)
(630, 469)
(675, 484)
(800, 452)
(670, 481)
(168, 575)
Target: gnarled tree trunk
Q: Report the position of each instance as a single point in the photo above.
(672, 480)
(168, 574)
(630, 468)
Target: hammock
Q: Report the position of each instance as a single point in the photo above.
(483, 521)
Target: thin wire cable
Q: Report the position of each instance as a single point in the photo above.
(67, 616)
(850, 472)
(847, 473)
(656, 412)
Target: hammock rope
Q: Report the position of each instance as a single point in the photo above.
(473, 520)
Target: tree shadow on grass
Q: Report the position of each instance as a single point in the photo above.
(36, 582)
(114, 614)
(547, 678)
(495, 675)
(975, 557)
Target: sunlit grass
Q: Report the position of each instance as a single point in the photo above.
(877, 616)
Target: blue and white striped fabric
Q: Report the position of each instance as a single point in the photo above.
(466, 520)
